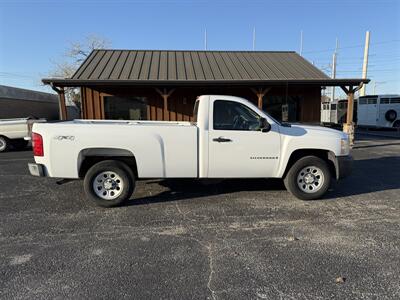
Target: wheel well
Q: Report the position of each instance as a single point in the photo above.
(323, 154)
(89, 161)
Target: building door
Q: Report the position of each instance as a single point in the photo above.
(237, 146)
(119, 108)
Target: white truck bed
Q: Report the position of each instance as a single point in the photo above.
(165, 149)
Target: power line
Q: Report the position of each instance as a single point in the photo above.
(350, 47)
(10, 74)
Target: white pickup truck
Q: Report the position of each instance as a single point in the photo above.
(16, 132)
(230, 138)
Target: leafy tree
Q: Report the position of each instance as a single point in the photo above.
(74, 56)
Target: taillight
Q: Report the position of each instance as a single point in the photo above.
(37, 144)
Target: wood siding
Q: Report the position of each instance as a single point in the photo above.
(181, 102)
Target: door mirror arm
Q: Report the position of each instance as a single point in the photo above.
(264, 125)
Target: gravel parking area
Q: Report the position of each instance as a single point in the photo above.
(180, 239)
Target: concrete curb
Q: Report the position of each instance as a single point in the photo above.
(379, 135)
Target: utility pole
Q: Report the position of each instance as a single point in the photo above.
(365, 62)
(301, 42)
(334, 57)
(254, 38)
(205, 39)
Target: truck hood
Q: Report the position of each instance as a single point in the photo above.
(317, 131)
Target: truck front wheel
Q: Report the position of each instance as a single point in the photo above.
(309, 178)
(109, 183)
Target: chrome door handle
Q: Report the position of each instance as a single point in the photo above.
(222, 140)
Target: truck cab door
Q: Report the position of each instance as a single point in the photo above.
(237, 145)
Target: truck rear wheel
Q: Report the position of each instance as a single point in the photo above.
(109, 183)
(4, 144)
(309, 178)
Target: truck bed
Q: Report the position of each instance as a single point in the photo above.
(161, 149)
(127, 122)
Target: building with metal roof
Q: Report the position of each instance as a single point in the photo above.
(163, 85)
(22, 103)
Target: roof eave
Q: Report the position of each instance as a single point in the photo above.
(79, 82)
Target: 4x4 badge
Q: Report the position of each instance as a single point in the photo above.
(64, 137)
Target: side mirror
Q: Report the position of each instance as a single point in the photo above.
(264, 125)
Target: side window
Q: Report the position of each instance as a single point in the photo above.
(229, 115)
(395, 100)
(384, 101)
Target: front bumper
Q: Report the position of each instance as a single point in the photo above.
(36, 169)
(344, 166)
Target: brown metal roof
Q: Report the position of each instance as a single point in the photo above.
(195, 67)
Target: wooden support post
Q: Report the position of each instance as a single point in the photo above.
(165, 111)
(260, 93)
(63, 107)
(61, 103)
(348, 127)
(350, 108)
(259, 102)
(165, 95)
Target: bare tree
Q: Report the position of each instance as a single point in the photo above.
(74, 56)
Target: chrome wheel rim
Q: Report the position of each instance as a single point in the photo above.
(2, 144)
(108, 185)
(310, 179)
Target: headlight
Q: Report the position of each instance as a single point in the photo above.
(344, 146)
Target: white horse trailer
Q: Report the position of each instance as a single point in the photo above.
(379, 111)
(335, 113)
(328, 113)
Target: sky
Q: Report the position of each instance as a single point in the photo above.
(35, 34)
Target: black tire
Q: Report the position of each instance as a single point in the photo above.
(396, 124)
(4, 144)
(121, 170)
(291, 178)
(391, 115)
(19, 144)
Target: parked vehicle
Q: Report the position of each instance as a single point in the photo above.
(335, 112)
(230, 138)
(15, 133)
(379, 111)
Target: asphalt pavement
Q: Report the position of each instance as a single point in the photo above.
(237, 239)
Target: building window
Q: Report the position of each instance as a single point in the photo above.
(119, 108)
(274, 104)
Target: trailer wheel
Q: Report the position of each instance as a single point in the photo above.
(391, 115)
(109, 183)
(4, 144)
(396, 124)
(309, 178)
